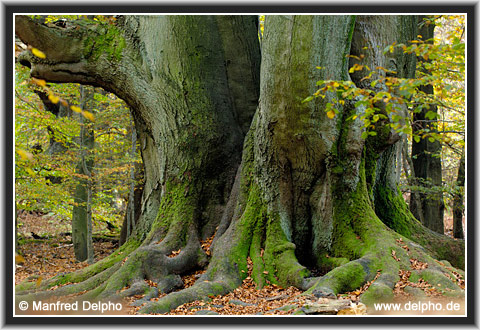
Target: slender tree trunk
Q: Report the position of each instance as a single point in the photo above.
(90, 250)
(426, 158)
(81, 214)
(458, 198)
(137, 204)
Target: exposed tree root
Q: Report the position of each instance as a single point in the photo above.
(363, 247)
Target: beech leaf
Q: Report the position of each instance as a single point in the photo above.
(75, 108)
(38, 53)
(331, 114)
(88, 115)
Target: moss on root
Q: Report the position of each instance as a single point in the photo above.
(341, 279)
(362, 245)
(392, 209)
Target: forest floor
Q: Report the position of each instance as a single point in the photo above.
(47, 251)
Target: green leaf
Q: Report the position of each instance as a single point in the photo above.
(431, 115)
(308, 99)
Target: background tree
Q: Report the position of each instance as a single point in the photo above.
(303, 194)
(82, 209)
(46, 181)
(458, 198)
(426, 154)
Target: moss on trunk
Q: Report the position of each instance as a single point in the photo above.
(305, 191)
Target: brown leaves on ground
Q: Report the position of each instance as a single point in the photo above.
(41, 224)
(174, 253)
(190, 279)
(247, 300)
(458, 277)
(206, 244)
(427, 288)
(459, 280)
(49, 257)
(53, 257)
(402, 244)
(355, 295)
(418, 265)
(394, 255)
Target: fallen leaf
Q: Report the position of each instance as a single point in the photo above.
(19, 259)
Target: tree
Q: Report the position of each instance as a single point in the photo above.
(294, 188)
(426, 159)
(46, 181)
(458, 200)
(82, 209)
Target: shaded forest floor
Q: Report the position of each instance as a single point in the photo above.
(47, 249)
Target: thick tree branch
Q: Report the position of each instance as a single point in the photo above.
(68, 51)
(55, 43)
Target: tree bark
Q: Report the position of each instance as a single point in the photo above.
(426, 158)
(300, 195)
(81, 214)
(458, 198)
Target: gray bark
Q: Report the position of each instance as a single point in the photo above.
(131, 195)
(426, 159)
(179, 75)
(81, 214)
(293, 141)
(458, 200)
(301, 190)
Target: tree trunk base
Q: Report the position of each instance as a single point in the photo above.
(364, 250)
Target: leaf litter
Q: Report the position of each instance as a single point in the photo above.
(41, 259)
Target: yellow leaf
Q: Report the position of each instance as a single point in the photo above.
(29, 171)
(88, 115)
(331, 114)
(39, 82)
(19, 259)
(24, 154)
(53, 98)
(38, 53)
(75, 108)
(39, 281)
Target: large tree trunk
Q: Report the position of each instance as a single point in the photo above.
(302, 195)
(426, 159)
